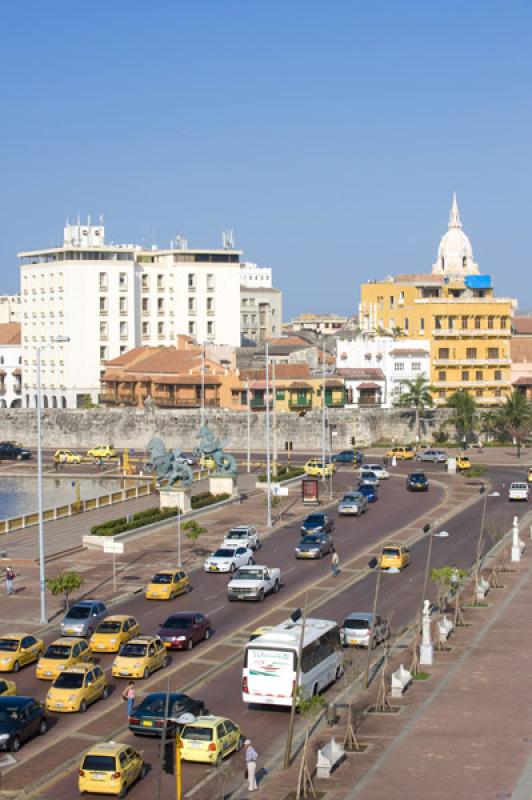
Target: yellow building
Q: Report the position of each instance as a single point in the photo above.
(294, 387)
(453, 307)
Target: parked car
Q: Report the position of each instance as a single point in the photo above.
(432, 456)
(380, 471)
(348, 457)
(83, 618)
(110, 768)
(518, 491)
(314, 545)
(102, 451)
(317, 523)
(113, 632)
(181, 631)
(7, 688)
(242, 536)
(60, 655)
(394, 556)
(353, 503)
(314, 466)
(76, 688)
(19, 649)
(210, 739)
(254, 583)
(417, 482)
(147, 719)
(401, 453)
(21, 718)
(139, 657)
(12, 452)
(359, 630)
(228, 559)
(67, 457)
(167, 585)
(369, 491)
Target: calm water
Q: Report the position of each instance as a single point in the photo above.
(19, 495)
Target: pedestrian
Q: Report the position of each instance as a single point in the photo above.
(10, 577)
(335, 561)
(385, 460)
(129, 695)
(251, 756)
(394, 461)
(100, 464)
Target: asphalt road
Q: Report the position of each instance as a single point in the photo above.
(216, 678)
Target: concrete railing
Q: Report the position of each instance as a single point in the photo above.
(77, 507)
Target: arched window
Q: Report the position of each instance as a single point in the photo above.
(464, 262)
(63, 402)
(45, 401)
(54, 402)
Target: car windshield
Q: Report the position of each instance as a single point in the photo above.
(162, 577)
(99, 763)
(247, 575)
(314, 519)
(9, 644)
(351, 498)
(417, 476)
(132, 650)
(178, 622)
(57, 651)
(8, 713)
(69, 680)
(109, 626)
(519, 486)
(237, 534)
(224, 552)
(390, 551)
(197, 733)
(78, 612)
(315, 540)
(367, 490)
(368, 473)
(357, 624)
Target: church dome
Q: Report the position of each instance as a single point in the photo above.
(455, 254)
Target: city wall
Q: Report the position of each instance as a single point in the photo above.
(126, 427)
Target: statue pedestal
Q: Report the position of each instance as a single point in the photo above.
(222, 484)
(175, 498)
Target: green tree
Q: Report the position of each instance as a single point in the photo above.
(446, 578)
(464, 411)
(488, 423)
(397, 332)
(65, 583)
(515, 418)
(417, 395)
(193, 530)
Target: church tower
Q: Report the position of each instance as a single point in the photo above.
(455, 254)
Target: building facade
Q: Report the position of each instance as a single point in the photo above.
(521, 353)
(10, 365)
(455, 309)
(316, 323)
(9, 308)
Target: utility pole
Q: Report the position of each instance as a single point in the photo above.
(274, 421)
(268, 466)
(323, 409)
(202, 412)
(249, 424)
(288, 748)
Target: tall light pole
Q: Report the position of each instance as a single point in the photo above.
(295, 617)
(393, 570)
(274, 422)
(40, 509)
(202, 409)
(248, 403)
(439, 535)
(323, 409)
(482, 491)
(268, 470)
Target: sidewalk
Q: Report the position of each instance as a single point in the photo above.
(466, 732)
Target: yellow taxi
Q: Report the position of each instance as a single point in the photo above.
(207, 462)
(102, 451)
(394, 556)
(167, 584)
(210, 739)
(139, 657)
(7, 688)
(401, 453)
(463, 463)
(113, 632)
(314, 466)
(529, 477)
(260, 632)
(76, 688)
(67, 457)
(60, 655)
(19, 649)
(110, 768)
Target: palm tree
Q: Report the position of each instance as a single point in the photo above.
(397, 332)
(488, 423)
(515, 418)
(464, 408)
(417, 395)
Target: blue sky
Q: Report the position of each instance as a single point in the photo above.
(329, 135)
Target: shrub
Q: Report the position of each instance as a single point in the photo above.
(476, 471)
(283, 474)
(207, 499)
(149, 515)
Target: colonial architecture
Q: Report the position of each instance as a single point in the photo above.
(521, 352)
(10, 365)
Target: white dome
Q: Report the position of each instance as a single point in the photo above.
(455, 254)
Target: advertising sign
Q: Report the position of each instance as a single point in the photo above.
(310, 491)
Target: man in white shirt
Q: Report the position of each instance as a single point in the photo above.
(251, 756)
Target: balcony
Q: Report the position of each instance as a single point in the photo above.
(108, 397)
(300, 403)
(459, 362)
(469, 384)
(465, 333)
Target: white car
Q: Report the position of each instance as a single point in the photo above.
(518, 491)
(381, 473)
(242, 536)
(228, 559)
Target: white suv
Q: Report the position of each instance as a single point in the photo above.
(518, 491)
(242, 536)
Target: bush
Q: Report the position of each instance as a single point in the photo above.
(476, 471)
(207, 499)
(283, 474)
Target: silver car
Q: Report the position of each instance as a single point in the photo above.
(358, 630)
(83, 618)
(353, 503)
(434, 456)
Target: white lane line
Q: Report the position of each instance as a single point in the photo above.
(286, 571)
(215, 610)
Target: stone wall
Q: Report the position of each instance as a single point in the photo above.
(126, 427)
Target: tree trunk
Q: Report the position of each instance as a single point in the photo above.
(66, 600)
(518, 442)
(417, 426)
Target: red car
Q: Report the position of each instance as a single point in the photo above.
(183, 630)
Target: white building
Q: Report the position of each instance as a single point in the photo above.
(253, 276)
(9, 308)
(10, 365)
(375, 367)
(317, 323)
(108, 299)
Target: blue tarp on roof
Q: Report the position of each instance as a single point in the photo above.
(478, 281)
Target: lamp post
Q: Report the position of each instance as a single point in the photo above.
(202, 409)
(393, 570)
(482, 491)
(438, 535)
(323, 409)
(179, 534)
(268, 470)
(274, 422)
(297, 615)
(40, 509)
(248, 403)
(426, 647)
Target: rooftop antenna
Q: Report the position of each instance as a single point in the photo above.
(100, 219)
(228, 239)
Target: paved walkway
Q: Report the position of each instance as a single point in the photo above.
(465, 733)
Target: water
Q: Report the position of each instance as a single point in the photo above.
(19, 495)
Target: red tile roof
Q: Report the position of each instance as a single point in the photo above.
(10, 333)
(521, 350)
(406, 351)
(282, 372)
(361, 373)
(522, 325)
(368, 386)
(524, 380)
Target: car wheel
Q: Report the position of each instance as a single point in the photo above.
(190, 644)
(146, 673)
(19, 457)
(250, 561)
(83, 706)
(16, 666)
(260, 596)
(233, 568)
(339, 673)
(15, 745)
(276, 587)
(166, 662)
(239, 744)
(218, 762)
(123, 791)
(207, 634)
(43, 727)
(143, 772)
(105, 693)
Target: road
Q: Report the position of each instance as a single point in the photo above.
(213, 669)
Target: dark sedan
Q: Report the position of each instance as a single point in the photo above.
(348, 457)
(369, 491)
(21, 718)
(184, 629)
(417, 482)
(147, 718)
(12, 452)
(317, 523)
(315, 546)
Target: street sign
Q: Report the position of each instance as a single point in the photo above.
(279, 491)
(113, 547)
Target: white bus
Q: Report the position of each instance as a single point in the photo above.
(270, 662)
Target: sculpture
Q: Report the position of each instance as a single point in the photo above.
(210, 445)
(168, 464)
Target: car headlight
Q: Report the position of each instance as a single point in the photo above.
(4, 737)
(49, 694)
(7, 660)
(137, 665)
(72, 698)
(113, 641)
(180, 639)
(62, 666)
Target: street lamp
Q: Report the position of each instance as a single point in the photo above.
(295, 617)
(202, 408)
(40, 510)
(439, 535)
(268, 468)
(481, 491)
(375, 562)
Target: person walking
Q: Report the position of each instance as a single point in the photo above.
(385, 461)
(251, 756)
(335, 562)
(10, 577)
(129, 695)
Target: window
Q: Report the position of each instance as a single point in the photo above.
(145, 329)
(451, 323)
(191, 305)
(471, 352)
(145, 282)
(465, 375)
(477, 322)
(210, 305)
(442, 375)
(491, 323)
(123, 330)
(279, 394)
(498, 393)
(498, 375)
(123, 348)
(210, 328)
(103, 281)
(416, 366)
(392, 301)
(422, 324)
(405, 324)
(160, 282)
(399, 366)
(103, 353)
(504, 322)
(103, 305)
(191, 328)
(380, 303)
(443, 352)
(464, 323)
(401, 297)
(103, 330)
(479, 375)
(493, 352)
(479, 392)
(145, 305)
(123, 305)
(191, 281)
(160, 330)
(122, 280)
(160, 305)
(210, 283)
(437, 323)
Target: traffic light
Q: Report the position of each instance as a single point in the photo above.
(353, 440)
(169, 756)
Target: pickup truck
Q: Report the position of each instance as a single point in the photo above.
(253, 583)
(518, 491)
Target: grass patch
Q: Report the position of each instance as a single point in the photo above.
(420, 676)
(283, 474)
(476, 471)
(476, 605)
